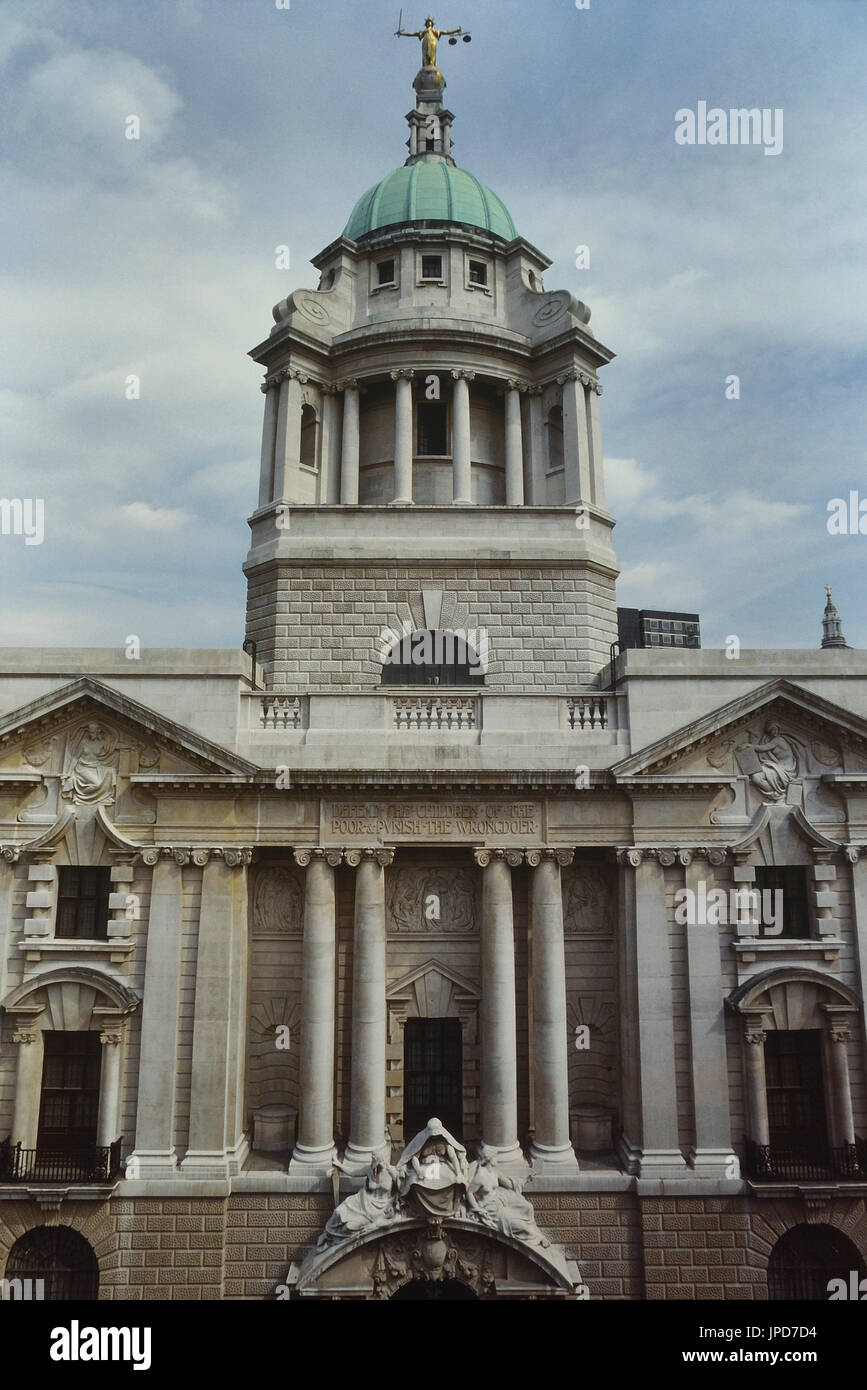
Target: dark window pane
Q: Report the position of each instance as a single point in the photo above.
(385, 270)
(432, 428)
(431, 267)
(478, 273)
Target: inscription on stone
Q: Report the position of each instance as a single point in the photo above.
(431, 820)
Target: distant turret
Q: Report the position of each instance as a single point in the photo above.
(832, 628)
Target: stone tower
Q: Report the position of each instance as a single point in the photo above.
(431, 451)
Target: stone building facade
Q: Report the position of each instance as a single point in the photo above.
(431, 895)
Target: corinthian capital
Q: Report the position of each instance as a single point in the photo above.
(459, 374)
(402, 374)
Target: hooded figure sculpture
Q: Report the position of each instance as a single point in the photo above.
(434, 1171)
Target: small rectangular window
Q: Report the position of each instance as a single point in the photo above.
(431, 267)
(786, 905)
(478, 273)
(432, 428)
(385, 272)
(82, 903)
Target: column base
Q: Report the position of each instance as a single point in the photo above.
(553, 1158)
(661, 1163)
(715, 1163)
(401, 502)
(510, 1159)
(311, 1162)
(356, 1160)
(143, 1164)
(215, 1163)
(463, 502)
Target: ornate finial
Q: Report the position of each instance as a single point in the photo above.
(430, 37)
(832, 627)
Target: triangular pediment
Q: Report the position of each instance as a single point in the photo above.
(40, 737)
(729, 741)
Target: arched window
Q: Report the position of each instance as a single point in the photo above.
(309, 437)
(434, 657)
(554, 424)
(59, 1256)
(807, 1258)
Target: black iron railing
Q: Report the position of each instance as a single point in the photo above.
(789, 1163)
(94, 1164)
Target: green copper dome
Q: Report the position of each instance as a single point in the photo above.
(429, 192)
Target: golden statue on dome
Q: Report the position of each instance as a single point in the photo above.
(430, 37)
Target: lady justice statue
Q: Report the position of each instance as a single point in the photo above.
(430, 37)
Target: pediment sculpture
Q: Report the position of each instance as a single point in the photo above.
(433, 1179)
(91, 776)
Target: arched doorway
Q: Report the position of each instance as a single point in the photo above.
(59, 1256)
(806, 1258)
(451, 1289)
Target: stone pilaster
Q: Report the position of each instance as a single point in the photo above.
(28, 1084)
(107, 1125)
(158, 1065)
(712, 1152)
(217, 1147)
(576, 440)
(658, 1154)
(287, 447)
(269, 440)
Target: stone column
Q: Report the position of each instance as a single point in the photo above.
(499, 1056)
(551, 1149)
(660, 1154)
(843, 1123)
(710, 1087)
(462, 485)
(857, 859)
(350, 446)
(329, 486)
(402, 437)
(514, 446)
(109, 1089)
(158, 1065)
(8, 860)
(28, 1087)
(537, 484)
(314, 1151)
(367, 1132)
(757, 1094)
(287, 446)
(576, 440)
(597, 472)
(269, 439)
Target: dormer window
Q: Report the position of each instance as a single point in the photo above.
(385, 273)
(432, 267)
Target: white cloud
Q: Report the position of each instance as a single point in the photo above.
(144, 517)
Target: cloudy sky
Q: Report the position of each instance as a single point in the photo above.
(261, 126)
